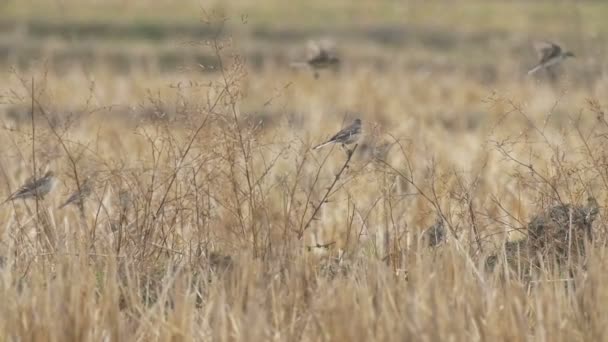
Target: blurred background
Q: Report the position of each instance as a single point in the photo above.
(139, 43)
(487, 40)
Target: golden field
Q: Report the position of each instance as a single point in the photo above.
(212, 219)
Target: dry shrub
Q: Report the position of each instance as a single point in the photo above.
(208, 223)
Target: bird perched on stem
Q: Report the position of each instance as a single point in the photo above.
(435, 234)
(34, 188)
(549, 54)
(320, 56)
(80, 194)
(348, 135)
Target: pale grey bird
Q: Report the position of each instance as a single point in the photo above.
(86, 188)
(348, 135)
(320, 56)
(34, 188)
(124, 200)
(549, 54)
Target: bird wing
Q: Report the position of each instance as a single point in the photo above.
(85, 191)
(73, 197)
(29, 186)
(346, 132)
(35, 184)
(547, 50)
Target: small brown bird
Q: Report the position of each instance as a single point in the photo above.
(86, 188)
(320, 56)
(219, 262)
(348, 135)
(435, 234)
(549, 54)
(34, 188)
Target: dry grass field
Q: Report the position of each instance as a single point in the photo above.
(210, 217)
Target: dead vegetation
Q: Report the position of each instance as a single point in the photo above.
(207, 215)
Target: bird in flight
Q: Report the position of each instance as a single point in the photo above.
(348, 135)
(34, 188)
(320, 56)
(549, 54)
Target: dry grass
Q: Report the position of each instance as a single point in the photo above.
(212, 219)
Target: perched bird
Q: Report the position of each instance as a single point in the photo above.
(348, 135)
(517, 254)
(80, 194)
(320, 56)
(549, 54)
(124, 202)
(219, 262)
(34, 188)
(435, 234)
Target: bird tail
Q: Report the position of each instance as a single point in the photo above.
(323, 144)
(535, 69)
(10, 198)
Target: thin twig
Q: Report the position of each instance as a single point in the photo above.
(350, 154)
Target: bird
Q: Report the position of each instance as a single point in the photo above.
(348, 135)
(124, 200)
(34, 188)
(320, 56)
(549, 54)
(435, 234)
(80, 194)
(219, 262)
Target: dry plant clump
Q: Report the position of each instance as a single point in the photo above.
(560, 234)
(563, 230)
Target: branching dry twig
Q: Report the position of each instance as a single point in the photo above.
(302, 229)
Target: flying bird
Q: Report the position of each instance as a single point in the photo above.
(348, 135)
(320, 56)
(549, 54)
(34, 188)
